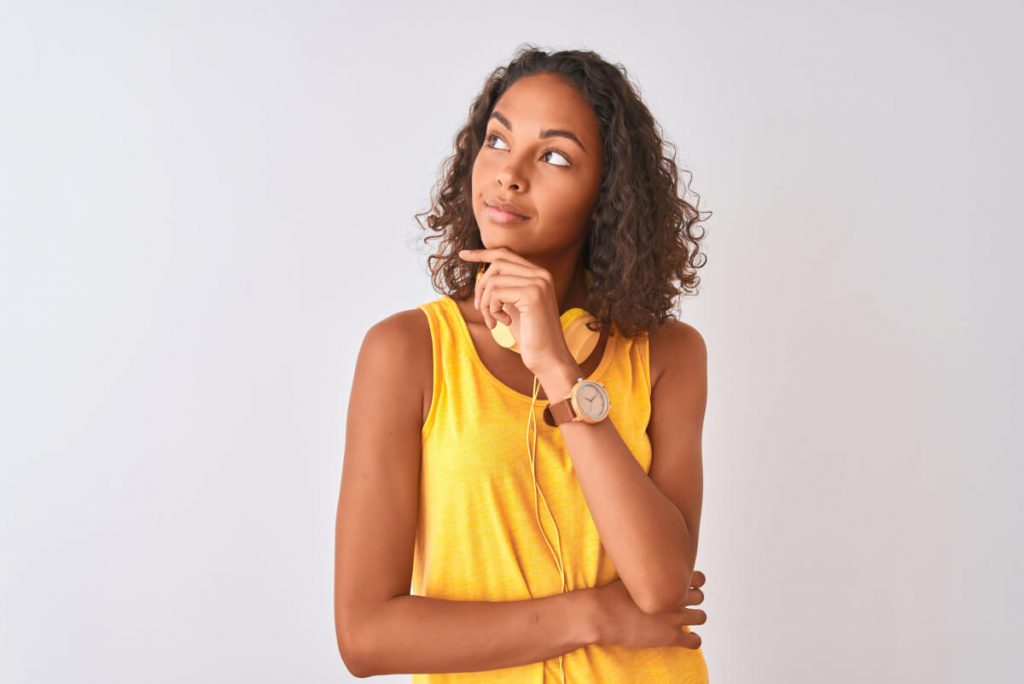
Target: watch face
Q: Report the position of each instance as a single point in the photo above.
(592, 400)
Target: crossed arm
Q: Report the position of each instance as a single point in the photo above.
(648, 524)
(639, 518)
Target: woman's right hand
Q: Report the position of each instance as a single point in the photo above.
(623, 623)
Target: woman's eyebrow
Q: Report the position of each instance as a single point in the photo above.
(546, 133)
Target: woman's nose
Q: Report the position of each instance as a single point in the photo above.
(509, 177)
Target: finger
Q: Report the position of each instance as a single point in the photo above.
(479, 298)
(480, 293)
(476, 286)
(504, 267)
(501, 297)
(482, 305)
(497, 253)
(698, 579)
(485, 304)
(516, 298)
(689, 640)
(477, 293)
(482, 273)
(504, 316)
(496, 310)
(494, 305)
(501, 265)
(690, 616)
(692, 597)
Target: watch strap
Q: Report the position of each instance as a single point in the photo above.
(559, 412)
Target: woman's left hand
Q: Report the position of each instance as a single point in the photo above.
(521, 295)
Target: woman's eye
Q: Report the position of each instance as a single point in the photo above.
(560, 155)
(493, 136)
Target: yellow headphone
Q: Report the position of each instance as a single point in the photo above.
(581, 341)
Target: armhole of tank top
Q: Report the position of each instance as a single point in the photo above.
(645, 360)
(435, 350)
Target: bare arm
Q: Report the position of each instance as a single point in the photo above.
(649, 524)
(420, 634)
(381, 628)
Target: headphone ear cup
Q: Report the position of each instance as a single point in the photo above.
(502, 334)
(579, 338)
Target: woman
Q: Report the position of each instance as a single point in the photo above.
(544, 540)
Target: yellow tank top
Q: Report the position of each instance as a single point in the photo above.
(478, 538)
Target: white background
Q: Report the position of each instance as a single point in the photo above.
(204, 206)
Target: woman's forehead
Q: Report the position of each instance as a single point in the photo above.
(535, 103)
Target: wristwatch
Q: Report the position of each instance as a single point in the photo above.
(587, 402)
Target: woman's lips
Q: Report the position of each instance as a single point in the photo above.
(503, 217)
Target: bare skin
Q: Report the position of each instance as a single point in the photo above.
(381, 628)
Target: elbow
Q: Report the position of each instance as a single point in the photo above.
(357, 626)
(666, 596)
(352, 660)
(353, 655)
(655, 605)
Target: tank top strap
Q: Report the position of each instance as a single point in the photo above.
(445, 348)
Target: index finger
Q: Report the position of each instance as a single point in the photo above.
(489, 254)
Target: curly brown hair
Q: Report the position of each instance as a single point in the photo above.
(643, 239)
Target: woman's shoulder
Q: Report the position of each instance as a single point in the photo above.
(403, 330)
(672, 343)
(406, 334)
(404, 339)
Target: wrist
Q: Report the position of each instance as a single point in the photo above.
(588, 617)
(559, 378)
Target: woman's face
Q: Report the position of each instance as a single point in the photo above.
(531, 159)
